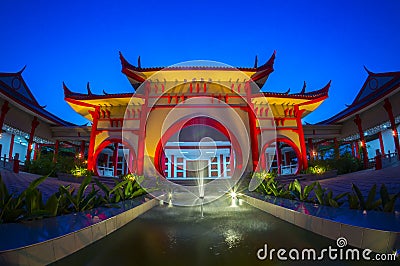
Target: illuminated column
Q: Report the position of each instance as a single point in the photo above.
(253, 128)
(357, 120)
(300, 132)
(95, 116)
(36, 151)
(10, 152)
(388, 107)
(4, 110)
(311, 149)
(55, 154)
(130, 162)
(34, 125)
(142, 131)
(82, 150)
(381, 143)
(115, 158)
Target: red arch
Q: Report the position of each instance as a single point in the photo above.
(186, 122)
(288, 142)
(105, 143)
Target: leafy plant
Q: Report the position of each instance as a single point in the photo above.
(11, 208)
(388, 201)
(298, 192)
(27, 205)
(325, 197)
(365, 204)
(78, 200)
(270, 186)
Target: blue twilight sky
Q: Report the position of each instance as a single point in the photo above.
(316, 41)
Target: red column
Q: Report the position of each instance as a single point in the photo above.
(55, 154)
(35, 152)
(311, 149)
(381, 143)
(4, 110)
(336, 148)
(300, 132)
(357, 120)
(142, 131)
(10, 152)
(34, 125)
(357, 149)
(388, 107)
(82, 150)
(95, 116)
(253, 128)
(115, 158)
(278, 158)
(352, 150)
(287, 158)
(221, 165)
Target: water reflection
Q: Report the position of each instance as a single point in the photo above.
(232, 238)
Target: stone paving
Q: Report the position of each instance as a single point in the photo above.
(19, 182)
(364, 180)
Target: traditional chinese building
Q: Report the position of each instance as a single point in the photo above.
(25, 124)
(366, 127)
(127, 128)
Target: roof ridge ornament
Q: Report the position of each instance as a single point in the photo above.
(269, 63)
(67, 92)
(368, 71)
(88, 89)
(303, 90)
(124, 62)
(22, 70)
(256, 62)
(138, 62)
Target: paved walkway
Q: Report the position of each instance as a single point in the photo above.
(19, 182)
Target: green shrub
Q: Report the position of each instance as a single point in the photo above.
(81, 171)
(44, 165)
(345, 164)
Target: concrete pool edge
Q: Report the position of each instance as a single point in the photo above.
(360, 237)
(57, 248)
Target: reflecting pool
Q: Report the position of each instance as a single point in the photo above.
(226, 235)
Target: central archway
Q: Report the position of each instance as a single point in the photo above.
(218, 157)
(121, 163)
